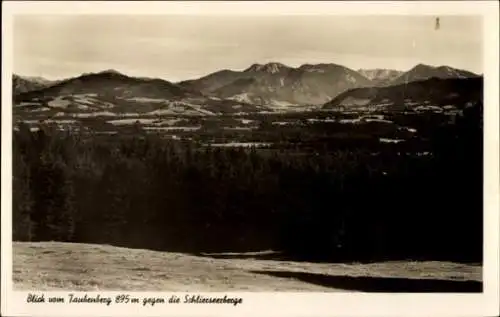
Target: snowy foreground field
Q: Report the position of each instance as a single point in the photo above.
(86, 267)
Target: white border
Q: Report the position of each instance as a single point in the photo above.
(277, 304)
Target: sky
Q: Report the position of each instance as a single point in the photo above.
(180, 47)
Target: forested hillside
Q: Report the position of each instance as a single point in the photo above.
(341, 203)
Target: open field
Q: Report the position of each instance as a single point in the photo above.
(87, 267)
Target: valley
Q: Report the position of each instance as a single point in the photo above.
(202, 110)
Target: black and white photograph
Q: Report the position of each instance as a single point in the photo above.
(247, 153)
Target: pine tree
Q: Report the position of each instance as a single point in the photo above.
(22, 201)
(53, 201)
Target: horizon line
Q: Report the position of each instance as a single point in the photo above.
(235, 70)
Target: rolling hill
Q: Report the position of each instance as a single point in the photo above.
(423, 72)
(111, 91)
(111, 82)
(431, 92)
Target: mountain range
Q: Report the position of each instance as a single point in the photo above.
(276, 84)
(258, 87)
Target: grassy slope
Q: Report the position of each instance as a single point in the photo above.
(85, 267)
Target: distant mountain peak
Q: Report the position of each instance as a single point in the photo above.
(419, 68)
(22, 84)
(271, 68)
(455, 72)
(422, 72)
(110, 71)
(379, 70)
(320, 65)
(105, 72)
(379, 75)
(422, 65)
(32, 78)
(442, 68)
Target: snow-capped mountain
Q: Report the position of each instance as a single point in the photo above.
(434, 92)
(423, 72)
(110, 91)
(380, 75)
(276, 83)
(260, 86)
(22, 84)
(270, 68)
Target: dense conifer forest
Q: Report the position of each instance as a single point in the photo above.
(321, 199)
